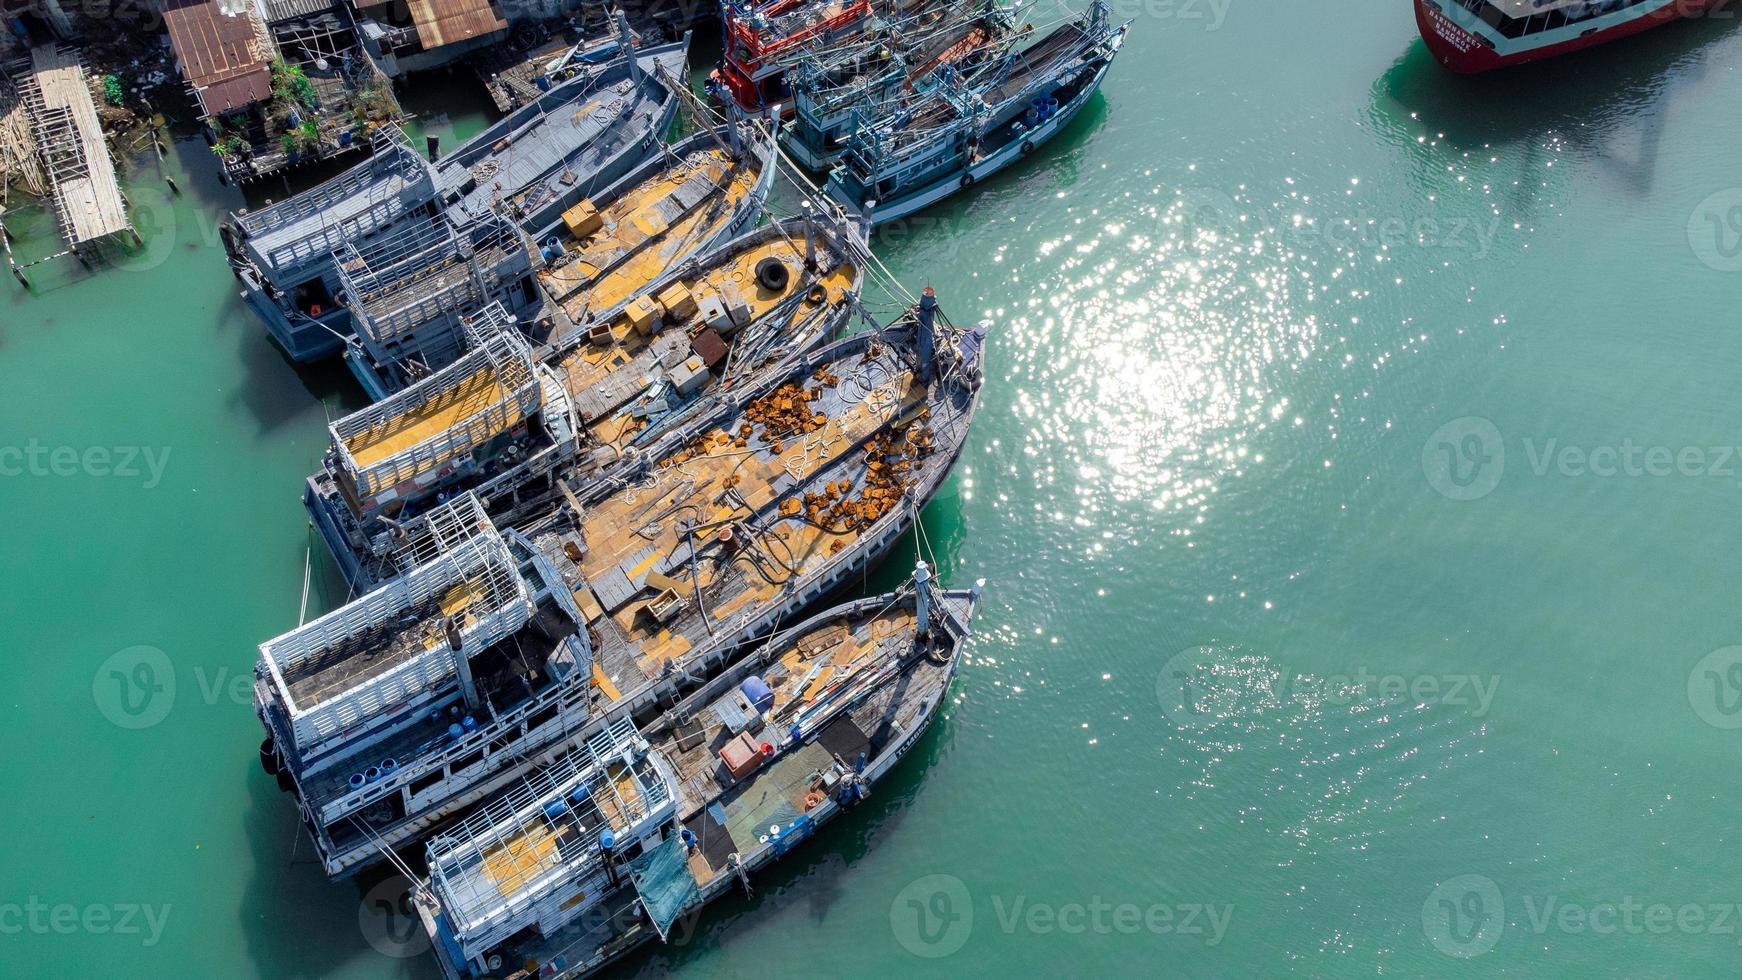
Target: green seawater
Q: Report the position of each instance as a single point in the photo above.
(1352, 483)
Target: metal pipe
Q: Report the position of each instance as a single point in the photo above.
(922, 597)
(928, 304)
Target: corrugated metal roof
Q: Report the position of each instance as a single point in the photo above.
(277, 10)
(441, 22)
(224, 56)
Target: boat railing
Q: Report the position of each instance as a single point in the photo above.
(396, 177)
(443, 528)
(412, 288)
(494, 603)
(555, 706)
(518, 395)
(475, 864)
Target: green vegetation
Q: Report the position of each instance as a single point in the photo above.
(112, 91)
(230, 147)
(291, 87)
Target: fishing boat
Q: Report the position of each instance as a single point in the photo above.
(524, 427)
(530, 166)
(963, 132)
(610, 846)
(545, 156)
(397, 711)
(758, 34)
(409, 308)
(412, 294)
(610, 247)
(1481, 35)
(762, 39)
(880, 69)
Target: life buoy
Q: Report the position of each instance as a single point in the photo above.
(812, 800)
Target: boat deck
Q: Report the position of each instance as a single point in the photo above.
(603, 378)
(779, 494)
(822, 657)
(361, 656)
(646, 230)
(470, 398)
(559, 147)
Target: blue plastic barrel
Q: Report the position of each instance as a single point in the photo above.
(581, 794)
(756, 690)
(554, 809)
(542, 81)
(469, 723)
(607, 840)
(371, 774)
(388, 765)
(455, 731)
(357, 780)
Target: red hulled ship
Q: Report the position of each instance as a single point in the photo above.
(1480, 35)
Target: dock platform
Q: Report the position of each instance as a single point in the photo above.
(84, 190)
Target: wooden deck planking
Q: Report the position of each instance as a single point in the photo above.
(92, 206)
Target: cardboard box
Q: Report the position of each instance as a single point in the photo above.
(677, 301)
(644, 314)
(583, 219)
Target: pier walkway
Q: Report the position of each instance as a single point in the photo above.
(82, 187)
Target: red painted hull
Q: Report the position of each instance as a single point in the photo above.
(1462, 51)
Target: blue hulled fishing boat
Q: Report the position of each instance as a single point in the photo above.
(966, 129)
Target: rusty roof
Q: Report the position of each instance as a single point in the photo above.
(224, 56)
(442, 22)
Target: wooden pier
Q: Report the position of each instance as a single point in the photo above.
(81, 184)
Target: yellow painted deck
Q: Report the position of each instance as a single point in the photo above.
(699, 481)
(635, 246)
(589, 365)
(431, 419)
(522, 858)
